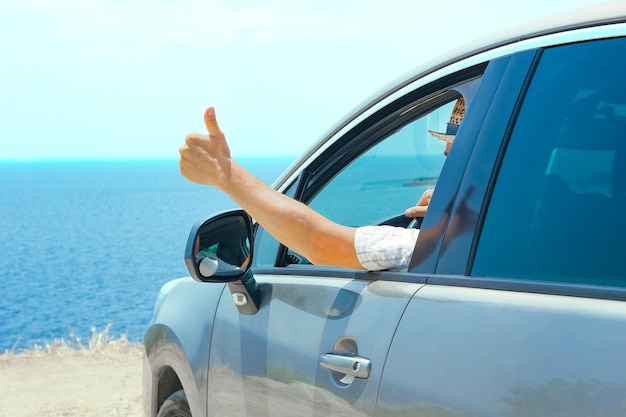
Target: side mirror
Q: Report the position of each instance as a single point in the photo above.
(219, 249)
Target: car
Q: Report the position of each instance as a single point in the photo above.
(514, 303)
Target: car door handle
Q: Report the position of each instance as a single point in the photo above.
(354, 366)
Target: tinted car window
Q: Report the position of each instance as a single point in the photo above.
(558, 208)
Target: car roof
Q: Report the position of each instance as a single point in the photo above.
(474, 52)
(509, 40)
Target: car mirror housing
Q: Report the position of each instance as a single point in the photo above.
(219, 249)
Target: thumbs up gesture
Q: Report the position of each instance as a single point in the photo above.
(205, 159)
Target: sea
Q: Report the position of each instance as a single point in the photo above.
(85, 245)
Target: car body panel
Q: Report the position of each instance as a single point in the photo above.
(177, 341)
(268, 364)
(476, 352)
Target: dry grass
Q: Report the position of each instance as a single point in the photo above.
(100, 343)
(72, 378)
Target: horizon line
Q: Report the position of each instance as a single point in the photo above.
(123, 159)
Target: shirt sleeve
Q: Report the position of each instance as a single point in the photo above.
(384, 247)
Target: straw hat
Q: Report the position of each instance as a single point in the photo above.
(453, 125)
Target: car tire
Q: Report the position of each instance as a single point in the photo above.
(176, 405)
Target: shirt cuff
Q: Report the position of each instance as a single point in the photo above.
(384, 247)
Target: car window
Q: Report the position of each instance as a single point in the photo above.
(374, 172)
(558, 208)
(378, 185)
(389, 177)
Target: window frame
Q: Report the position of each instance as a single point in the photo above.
(362, 137)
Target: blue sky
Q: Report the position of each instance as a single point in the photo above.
(130, 78)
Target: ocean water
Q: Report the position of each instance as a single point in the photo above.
(86, 245)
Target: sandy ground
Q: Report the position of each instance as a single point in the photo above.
(68, 382)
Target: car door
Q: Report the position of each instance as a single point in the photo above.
(318, 343)
(526, 311)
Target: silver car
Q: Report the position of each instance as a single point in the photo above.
(514, 303)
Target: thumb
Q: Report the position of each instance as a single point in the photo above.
(210, 121)
(217, 140)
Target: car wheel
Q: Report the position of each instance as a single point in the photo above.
(176, 405)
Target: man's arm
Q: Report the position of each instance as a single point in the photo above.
(205, 159)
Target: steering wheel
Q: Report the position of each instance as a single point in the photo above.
(415, 223)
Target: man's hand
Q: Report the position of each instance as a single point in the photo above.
(419, 210)
(205, 159)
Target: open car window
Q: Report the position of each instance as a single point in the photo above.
(374, 176)
(389, 177)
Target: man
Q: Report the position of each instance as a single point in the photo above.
(206, 159)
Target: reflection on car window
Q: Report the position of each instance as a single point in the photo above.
(565, 170)
(388, 178)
